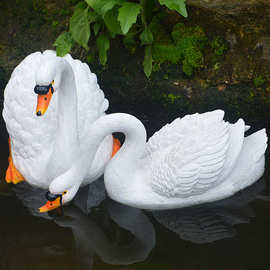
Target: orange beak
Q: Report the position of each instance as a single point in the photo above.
(43, 102)
(50, 205)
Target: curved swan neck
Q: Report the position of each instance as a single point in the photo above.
(133, 129)
(67, 129)
(67, 105)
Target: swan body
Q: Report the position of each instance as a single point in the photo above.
(197, 159)
(45, 147)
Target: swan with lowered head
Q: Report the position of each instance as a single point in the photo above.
(44, 148)
(197, 159)
(92, 240)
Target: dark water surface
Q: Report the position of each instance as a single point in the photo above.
(230, 234)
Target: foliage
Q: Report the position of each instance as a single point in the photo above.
(171, 98)
(258, 81)
(218, 46)
(63, 44)
(185, 44)
(134, 21)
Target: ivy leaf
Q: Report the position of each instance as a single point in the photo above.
(146, 36)
(178, 5)
(148, 61)
(128, 15)
(112, 23)
(79, 27)
(103, 44)
(103, 6)
(63, 44)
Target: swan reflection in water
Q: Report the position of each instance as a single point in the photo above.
(211, 222)
(122, 235)
(116, 233)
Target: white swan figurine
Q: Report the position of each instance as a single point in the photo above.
(44, 148)
(197, 159)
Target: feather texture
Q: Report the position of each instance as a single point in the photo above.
(190, 163)
(31, 136)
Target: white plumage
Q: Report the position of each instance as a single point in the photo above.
(196, 159)
(32, 138)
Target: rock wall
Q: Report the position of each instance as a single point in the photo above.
(234, 76)
(232, 7)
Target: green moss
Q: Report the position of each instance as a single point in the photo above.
(163, 52)
(55, 23)
(258, 81)
(218, 46)
(171, 98)
(184, 45)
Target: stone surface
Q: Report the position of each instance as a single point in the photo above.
(227, 6)
(225, 81)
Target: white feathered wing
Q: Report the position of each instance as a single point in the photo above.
(187, 159)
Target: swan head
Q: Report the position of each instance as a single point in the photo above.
(44, 93)
(48, 79)
(54, 201)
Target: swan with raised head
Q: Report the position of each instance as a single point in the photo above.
(197, 159)
(44, 148)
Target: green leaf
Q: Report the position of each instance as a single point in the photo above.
(103, 6)
(146, 37)
(79, 27)
(91, 3)
(63, 44)
(178, 5)
(103, 44)
(128, 15)
(97, 27)
(148, 61)
(112, 23)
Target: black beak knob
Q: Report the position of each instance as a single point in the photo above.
(39, 113)
(51, 197)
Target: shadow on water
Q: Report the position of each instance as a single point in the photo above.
(97, 233)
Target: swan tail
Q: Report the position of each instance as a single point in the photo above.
(237, 131)
(259, 141)
(251, 163)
